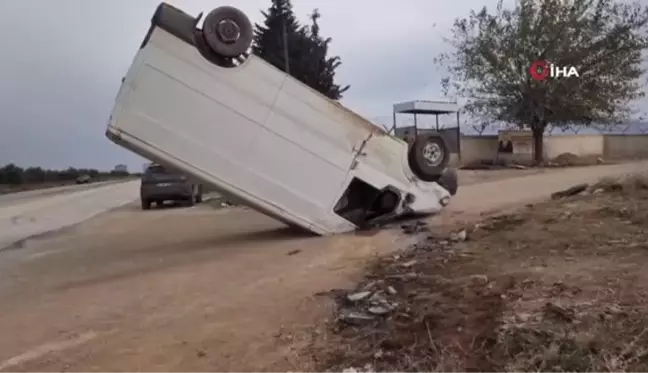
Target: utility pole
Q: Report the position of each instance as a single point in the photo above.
(285, 45)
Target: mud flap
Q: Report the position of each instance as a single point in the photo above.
(449, 180)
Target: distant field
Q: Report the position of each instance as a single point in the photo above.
(6, 189)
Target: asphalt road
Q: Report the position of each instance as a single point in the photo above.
(28, 214)
(13, 198)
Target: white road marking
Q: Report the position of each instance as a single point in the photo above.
(47, 348)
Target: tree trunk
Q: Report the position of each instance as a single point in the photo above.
(538, 143)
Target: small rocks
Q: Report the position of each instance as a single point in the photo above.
(479, 279)
(410, 263)
(565, 215)
(559, 313)
(360, 307)
(369, 285)
(354, 317)
(356, 297)
(378, 297)
(459, 236)
(404, 277)
(415, 227)
(379, 310)
(366, 368)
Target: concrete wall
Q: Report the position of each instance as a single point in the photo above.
(581, 145)
(625, 146)
(477, 148)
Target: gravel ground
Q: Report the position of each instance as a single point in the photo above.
(198, 289)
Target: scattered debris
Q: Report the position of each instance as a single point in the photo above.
(409, 263)
(479, 279)
(366, 369)
(358, 296)
(459, 236)
(569, 192)
(553, 288)
(354, 318)
(558, 313)
(379, 310)
(414, 227)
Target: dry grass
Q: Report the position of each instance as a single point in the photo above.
(560, 286)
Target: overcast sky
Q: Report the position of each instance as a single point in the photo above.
(62, 62)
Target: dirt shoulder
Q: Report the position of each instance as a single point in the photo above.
(198, 290)
(557, 286)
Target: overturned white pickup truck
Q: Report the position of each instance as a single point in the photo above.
(195, 100)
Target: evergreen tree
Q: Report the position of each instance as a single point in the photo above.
(269, 37)
(320, 69)
(307, 50)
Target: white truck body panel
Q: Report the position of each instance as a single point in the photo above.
(258, 135)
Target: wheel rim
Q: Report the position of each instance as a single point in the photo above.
(228, 31)
(433, 154)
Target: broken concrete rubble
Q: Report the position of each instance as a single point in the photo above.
(358, 296)
(465, 306)
(569, 192)
(459, 236)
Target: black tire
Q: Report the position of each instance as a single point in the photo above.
(228, 22)
(449, 180)
(198, 198)
(386, 202)
(428, 157)
(146, 205)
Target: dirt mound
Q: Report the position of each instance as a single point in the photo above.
(573, 160)
(567, 159)
(560, 286)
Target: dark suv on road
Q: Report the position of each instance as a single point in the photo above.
(160, 184)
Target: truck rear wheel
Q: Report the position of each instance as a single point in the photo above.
(228, 31)
(428, 157)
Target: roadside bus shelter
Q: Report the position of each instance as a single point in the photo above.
(451, 135)
(419, 107)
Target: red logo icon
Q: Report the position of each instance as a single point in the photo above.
(539, 70)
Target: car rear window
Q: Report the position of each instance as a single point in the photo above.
(156, 170)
